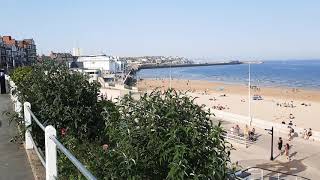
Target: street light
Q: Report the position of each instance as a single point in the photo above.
(270, 131)
(170, 73)
(249, 96)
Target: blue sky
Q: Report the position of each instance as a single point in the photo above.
(224, 29)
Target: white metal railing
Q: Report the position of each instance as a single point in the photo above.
(263, 124)
(51, 145)
(237, 138)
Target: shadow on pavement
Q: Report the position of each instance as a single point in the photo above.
(291, 167)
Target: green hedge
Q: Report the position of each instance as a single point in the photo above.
(163, 135)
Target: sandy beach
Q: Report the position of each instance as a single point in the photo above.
(276, 105)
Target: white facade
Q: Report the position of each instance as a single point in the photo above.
(76, 52)
(93, 74)
(104, 63)
(121, 65)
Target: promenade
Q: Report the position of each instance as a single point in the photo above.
(304, 154)
(14, 164)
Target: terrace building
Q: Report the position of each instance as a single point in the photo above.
(63, 57)
(17, 52)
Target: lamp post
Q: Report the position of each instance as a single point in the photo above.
(270, 131)
(249, 95)
(170, 73)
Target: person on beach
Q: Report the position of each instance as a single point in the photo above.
(232, 130)
(246, 131)
(237, 130)
(251, 134)
(305, 132)
(280, 143)
(253, 131)
(291, 116)
(309, 133)
(286, 149)
(291, 133)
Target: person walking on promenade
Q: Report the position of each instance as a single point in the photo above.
(246, 131)
(280, 143)
(291, 133)
(237, 130)
(309, 133)
(286, 149)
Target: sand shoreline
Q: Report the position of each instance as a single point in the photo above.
(241, 89)
(241, 84)
(276, 106)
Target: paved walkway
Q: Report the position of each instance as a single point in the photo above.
(14, 164)
(305, 154)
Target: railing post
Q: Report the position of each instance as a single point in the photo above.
(246, 142)
(51, 153)
(18, 107)
(27, 122)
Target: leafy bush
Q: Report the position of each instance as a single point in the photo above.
(20, 74)
(62, 99)
(165, 136)
(159, 136)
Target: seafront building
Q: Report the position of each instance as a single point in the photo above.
(62, 57)
(16, 52)
(106, 64)
(110, 68)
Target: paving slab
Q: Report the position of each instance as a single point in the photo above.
(304, 154)
(14, 163)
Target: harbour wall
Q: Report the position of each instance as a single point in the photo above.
(153, 66)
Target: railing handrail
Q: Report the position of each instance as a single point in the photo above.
(36, 119)
(73, 159)
(288, 174)
(50, 149)
(234, 135)
(242, 139)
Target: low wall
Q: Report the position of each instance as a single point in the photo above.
(278, 128)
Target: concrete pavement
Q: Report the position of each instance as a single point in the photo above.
(305, 154)
(14, 164)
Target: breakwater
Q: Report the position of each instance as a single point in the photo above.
(154, 66)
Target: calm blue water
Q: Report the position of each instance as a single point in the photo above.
(298, 74)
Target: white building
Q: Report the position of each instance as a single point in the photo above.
(121, 65)
(93, 74)
(107, 64)
(103, 63)
(76, 52)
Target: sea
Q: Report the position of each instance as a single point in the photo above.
(303, 74)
